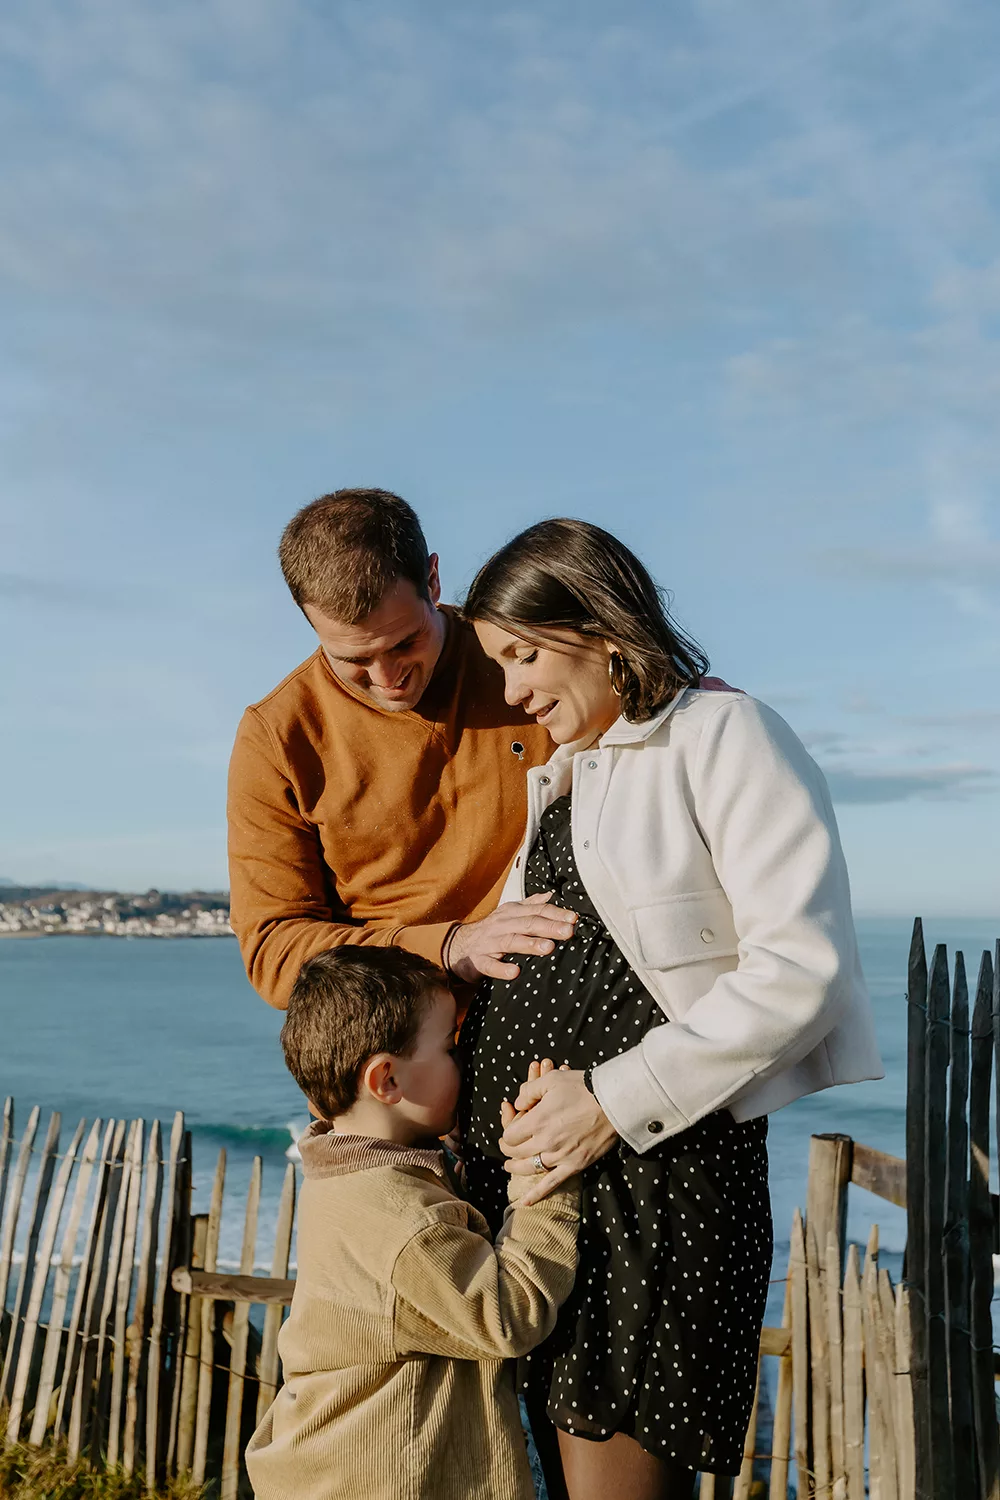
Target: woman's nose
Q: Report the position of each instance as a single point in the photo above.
(514, 692)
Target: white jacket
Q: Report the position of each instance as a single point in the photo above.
(706, 840)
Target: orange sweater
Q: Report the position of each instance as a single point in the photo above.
(348, 824)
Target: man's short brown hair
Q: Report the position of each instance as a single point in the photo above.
(346, 1005)
(342, 551)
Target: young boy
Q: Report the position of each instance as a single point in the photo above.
(403, 1312)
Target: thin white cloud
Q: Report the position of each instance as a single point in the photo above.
(955, 565)
(942, 783)
(468, 177)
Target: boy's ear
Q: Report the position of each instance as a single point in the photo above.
(378, 1079)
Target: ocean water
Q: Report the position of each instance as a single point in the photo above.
(143, 1027)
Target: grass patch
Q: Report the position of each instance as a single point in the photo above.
(47, 1474)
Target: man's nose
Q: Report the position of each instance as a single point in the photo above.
(385, 673)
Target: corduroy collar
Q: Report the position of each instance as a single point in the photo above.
(327, 1153)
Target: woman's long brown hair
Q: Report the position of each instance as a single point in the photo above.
(571, 575)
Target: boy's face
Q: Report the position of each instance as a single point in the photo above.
(429, 1078)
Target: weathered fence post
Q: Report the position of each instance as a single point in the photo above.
(268, 1367)
(155, 1385)
(97, 1279)
(75, 1334)
(956, 1243)
(916, 1230)
(232, 1450)
(981, 1236)
(206, 1357)
(934, 1186)
(192, 1348)
(854, 1381)
(175, 1316)
(29, 1337)
(52, 1352)
(6, 1141)
(797, 1273)
(14, 1207)
(138, 1331)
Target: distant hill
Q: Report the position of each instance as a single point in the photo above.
(44, 885)
(144, 901)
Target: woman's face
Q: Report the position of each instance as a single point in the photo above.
(564, 685)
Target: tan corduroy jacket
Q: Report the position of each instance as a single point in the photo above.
(403, 1314)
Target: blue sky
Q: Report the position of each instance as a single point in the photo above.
(724, 278)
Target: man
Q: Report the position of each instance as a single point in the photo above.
(378, 794)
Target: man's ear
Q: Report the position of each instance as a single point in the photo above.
(378, 1079)
(434, 579)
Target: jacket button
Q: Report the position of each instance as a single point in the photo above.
(586, 843)
(654, 1127)
(592, 764)
(707, 935)
(543, 781)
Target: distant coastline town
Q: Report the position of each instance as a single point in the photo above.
(43, 911)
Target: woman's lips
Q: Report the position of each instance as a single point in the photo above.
(546, 713)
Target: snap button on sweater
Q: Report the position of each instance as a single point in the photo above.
(707, 935)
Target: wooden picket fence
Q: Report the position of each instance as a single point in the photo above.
(120, 1336)
(103, 1344)
(906, 1374)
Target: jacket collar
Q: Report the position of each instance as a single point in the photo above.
(327, 1153)
(622, 732)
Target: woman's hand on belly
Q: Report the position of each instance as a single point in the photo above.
(560, 1121)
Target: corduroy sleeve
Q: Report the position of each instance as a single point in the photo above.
(459, 1296)
(282, 895)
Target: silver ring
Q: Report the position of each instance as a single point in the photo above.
(537, 1162)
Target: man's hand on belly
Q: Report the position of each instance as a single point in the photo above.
(531, 927)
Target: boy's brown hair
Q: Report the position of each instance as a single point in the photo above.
(342, 551)
(346, 1005)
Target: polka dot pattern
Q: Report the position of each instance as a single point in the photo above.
(659, 1336)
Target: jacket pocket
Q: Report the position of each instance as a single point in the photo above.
(684, 930)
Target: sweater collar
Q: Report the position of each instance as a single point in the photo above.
(326, 1152)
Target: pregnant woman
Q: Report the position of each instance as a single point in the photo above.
(712, 976)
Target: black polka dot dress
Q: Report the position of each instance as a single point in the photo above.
(659, 1337)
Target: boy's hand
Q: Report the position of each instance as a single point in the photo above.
(508, 1114)
(535, 1070)
(559, 1130)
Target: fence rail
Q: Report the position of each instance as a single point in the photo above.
(122, 1337)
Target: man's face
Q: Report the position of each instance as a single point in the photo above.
(390, 656)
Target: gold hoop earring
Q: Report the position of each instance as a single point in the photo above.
(617, 667)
